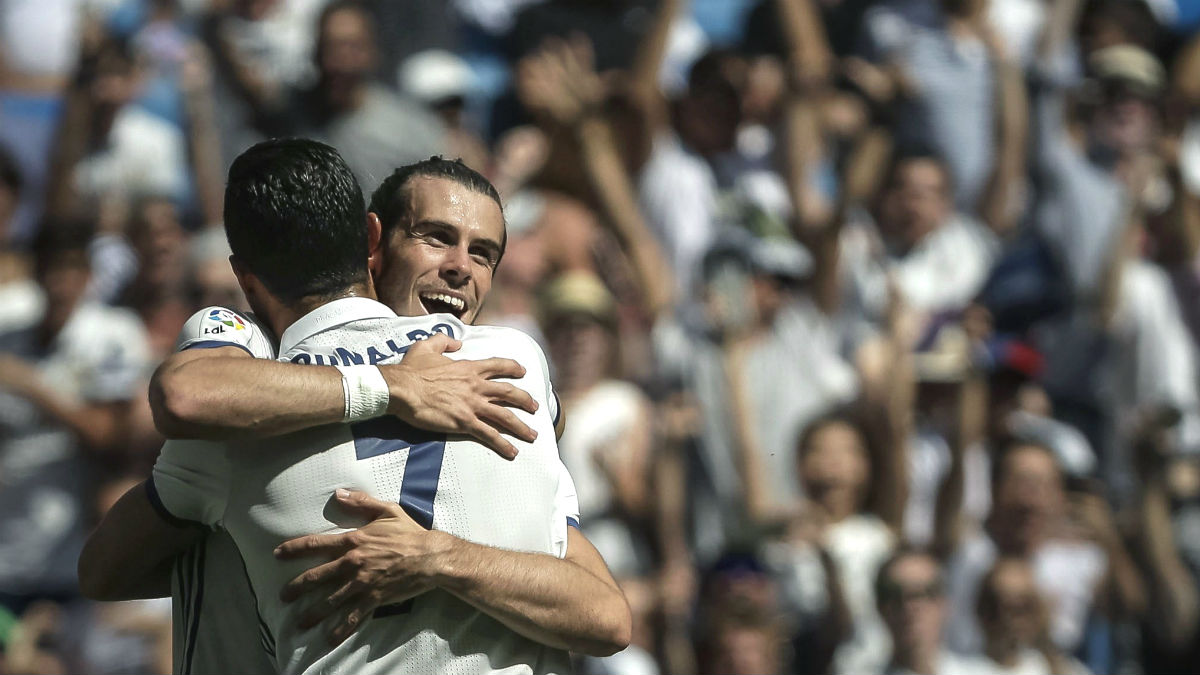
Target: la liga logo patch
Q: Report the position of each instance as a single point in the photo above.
(227, 318)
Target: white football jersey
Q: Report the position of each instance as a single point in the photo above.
(215, 623)
(268, 491)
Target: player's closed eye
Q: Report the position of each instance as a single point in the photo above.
(484, 257)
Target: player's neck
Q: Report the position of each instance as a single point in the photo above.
(279, 315)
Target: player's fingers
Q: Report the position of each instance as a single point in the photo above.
(438, 343)
(497, 368)
(488, 436)
(365, 504)
(352, 617)
(504, 420)
(323, 608)
(313, 578)
(311, 545)
(507, 394)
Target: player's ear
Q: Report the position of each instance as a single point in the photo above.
(374, 244)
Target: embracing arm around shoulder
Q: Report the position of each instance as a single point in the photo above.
(228, 388)
(130, 554)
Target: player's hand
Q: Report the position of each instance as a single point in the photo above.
(389, 560)
(435, 393)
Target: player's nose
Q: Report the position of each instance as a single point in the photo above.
(457, 265)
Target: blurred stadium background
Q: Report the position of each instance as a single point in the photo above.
(875, 320)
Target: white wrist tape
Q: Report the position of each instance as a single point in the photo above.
(366, 392)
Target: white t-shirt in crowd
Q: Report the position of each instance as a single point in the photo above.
(943, 272)
(1067, 574)
(600, 421)
(99, 357)
(144, 155)
(950, 663)
(858, 545)
(678, 193)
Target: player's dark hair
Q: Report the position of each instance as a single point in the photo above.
(393, 203)
(294, 216)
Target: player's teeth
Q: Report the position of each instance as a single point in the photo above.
(448, 299)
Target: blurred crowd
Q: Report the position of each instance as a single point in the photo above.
(875, 321)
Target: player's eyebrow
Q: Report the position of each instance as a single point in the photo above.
(435, 224)
(492, 246)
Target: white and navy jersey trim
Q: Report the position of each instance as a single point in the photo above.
(214, 327)
(556, 413)
(214, 344)
(165, 513)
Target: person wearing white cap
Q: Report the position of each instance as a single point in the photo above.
(441, 80)
(1099, 177)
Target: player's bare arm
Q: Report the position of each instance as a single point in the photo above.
(134, 539)
(571, 603)
(224, 393)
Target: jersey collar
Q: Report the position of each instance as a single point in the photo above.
(332, 315)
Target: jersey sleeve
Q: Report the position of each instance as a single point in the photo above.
(566, 511)
(553, 405)
(222, 327)
(190, 483)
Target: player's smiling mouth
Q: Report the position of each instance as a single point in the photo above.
(439, 302)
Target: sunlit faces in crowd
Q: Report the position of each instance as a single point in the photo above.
(917, 199)
(1010, 608)
(834, 466)
(1028, 497)
(911, 596)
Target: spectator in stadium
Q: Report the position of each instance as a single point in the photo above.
(1167, 517)
(260, 50)
(67, 380)
(1069, 539)
(943, 68)
(741, 640)
(1099, 187)
(440, 80)
(20, 299)
(109, 149)
(212, 282)
(373, 127)
(760, 366)
(911, 592)
(738, 622)
(158, 291)
(939, 258)
(835, 543)
(608, 443)
(1014, 619)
